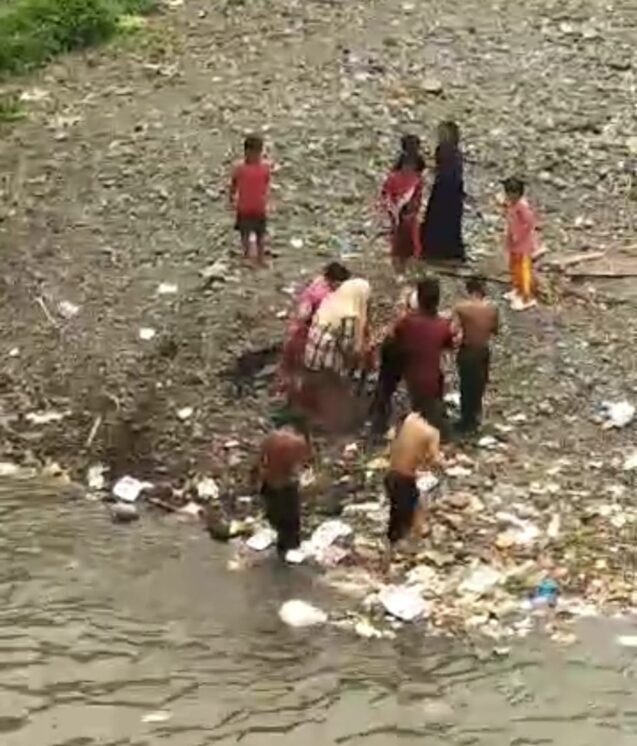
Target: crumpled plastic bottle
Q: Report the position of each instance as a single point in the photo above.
(546, 594)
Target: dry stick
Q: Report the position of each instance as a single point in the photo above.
(40, 301)
(96, 426)
(161, 504)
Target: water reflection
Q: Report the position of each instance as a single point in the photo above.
(102, 625)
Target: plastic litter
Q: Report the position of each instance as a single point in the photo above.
(167, 288)
(67, 309)
(329, 532)
(185, 413)
(458, 471)
(295, 557)
(296, 243)
(261, 540)
(95, 477)
(191, 509)
(146, 333)
(630, 462)
(8, 469)
(489, 442)
(403, 602)
(553, 529)
(129, 489)
(480, 580)
(365, 629)
(617, 414)
(44, 418)
(297, 613)
(207, 489)
(546, 594)
(426, 482)
(14, 352)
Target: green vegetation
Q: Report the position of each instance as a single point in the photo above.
(10, 109)
(34, 31)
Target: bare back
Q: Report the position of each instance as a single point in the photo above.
(283, 454)
(416, 446)
(479, 321)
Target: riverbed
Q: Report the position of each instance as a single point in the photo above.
(139, 635)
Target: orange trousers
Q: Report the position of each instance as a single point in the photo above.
(521, 268)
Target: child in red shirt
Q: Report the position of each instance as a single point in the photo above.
(249, 195)
(520, 243)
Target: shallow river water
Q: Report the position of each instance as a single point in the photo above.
(139, 635)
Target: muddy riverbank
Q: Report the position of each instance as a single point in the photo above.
(114, 188)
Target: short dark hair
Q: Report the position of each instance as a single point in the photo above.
(253, 144)
(513, 186)
(475, 286)
(336, 272)
(428, 292)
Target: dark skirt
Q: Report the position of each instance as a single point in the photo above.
(441, 230)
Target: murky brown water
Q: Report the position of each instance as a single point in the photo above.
(102, 625)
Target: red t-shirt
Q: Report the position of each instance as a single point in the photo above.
(421, 341)
(250, 183)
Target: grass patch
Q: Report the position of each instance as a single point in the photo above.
(34, 31)
(10, 108)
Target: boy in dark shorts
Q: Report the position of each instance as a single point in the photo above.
(417, 445)
(249, 196)
(478, 320)
(283, 453)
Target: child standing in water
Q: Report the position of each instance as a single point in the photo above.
(521, 244)
(401, 197)
(249, 189)
(283, 453)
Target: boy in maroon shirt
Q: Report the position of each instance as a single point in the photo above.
(421, 338)
(249, 195)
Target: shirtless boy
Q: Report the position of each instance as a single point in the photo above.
(283, 454)
(416, 446)
(478, 319)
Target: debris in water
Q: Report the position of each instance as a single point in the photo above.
(129, 489)
(95, 477)
(8, 469)
(403, 602)
(159, 716)
(185, 413)
(261, 540)
(122, 512)
(296, 613)
(14, 352)
(191, 510)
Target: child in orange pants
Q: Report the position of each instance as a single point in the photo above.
(521, 243)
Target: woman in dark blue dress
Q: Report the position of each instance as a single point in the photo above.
(441, 230)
